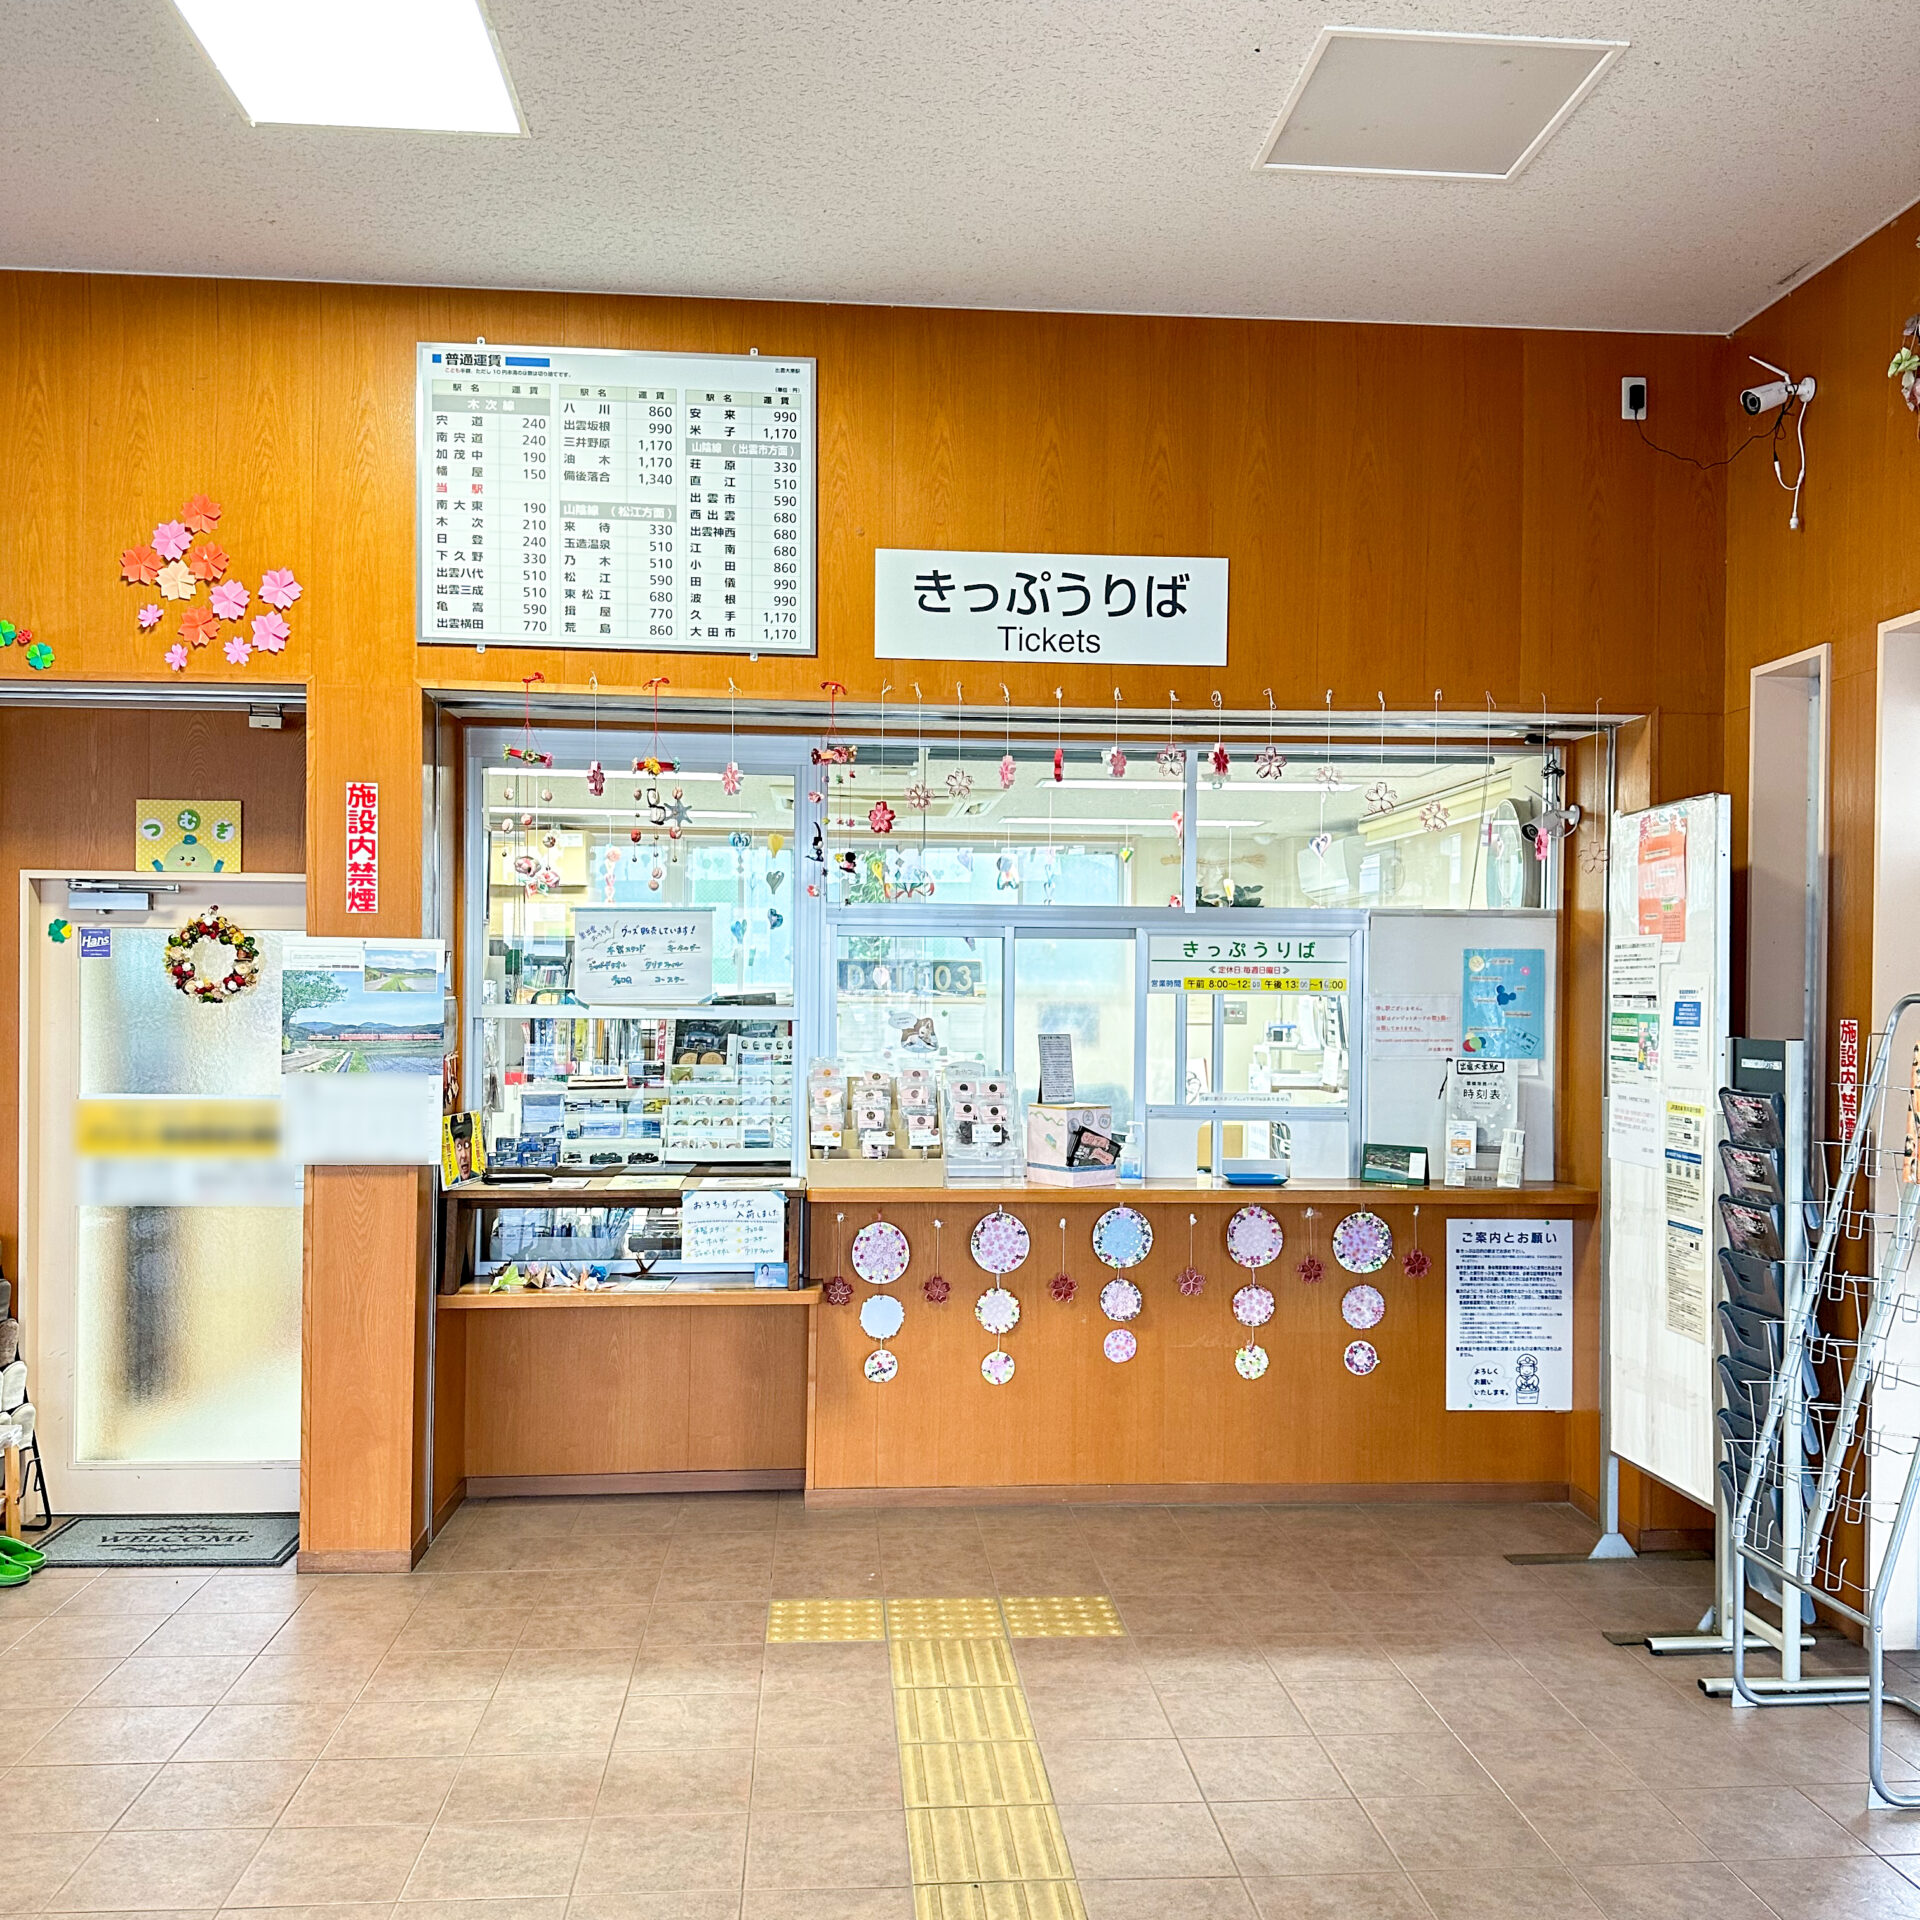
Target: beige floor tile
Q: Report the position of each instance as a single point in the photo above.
(1268, 1837)
(38, 1864)
(824, 1848)
(1672, 1891)
(83, 1636)
(1359, 1896)
(580, 1669)
(534, 1723)
(1591, 1830)
(197, 1635)
(741, 1622)
(1090, 1716)
(1289, 1768)
(301, 1679)
(371, 1793)
(686, 1669)
(435, 1675)
(865, 1778)
(1438, 1833)
(1546, 1895)
(1166, 1900)
(515, 1858)
(551, 1907)
(113, 1735)
(147, 1870)
(300, 1866)
(789, 1903)
(141, 1682)
(1143, 1842)
(538, 1786)
(248, 1592)
(1397, 1765)
(665, 1853)
(401, 1729)
(1104, 1772)
(135, 1593)
(1862, 1889)
(1221, 1713)
(1891, 1831)
(1534, 1766)
(68, 1799)
(1363, 1706)
(1762, 1823)
(468, 1630)
(215, 1793)
(68, 1683)
(262, 1733)
(643, 1781)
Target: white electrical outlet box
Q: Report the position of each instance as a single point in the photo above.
(1633, 388)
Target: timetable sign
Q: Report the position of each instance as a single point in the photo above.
(651, 502)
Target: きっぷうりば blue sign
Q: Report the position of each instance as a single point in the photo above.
(1503, 1002)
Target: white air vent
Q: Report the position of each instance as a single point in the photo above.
(1439, 106)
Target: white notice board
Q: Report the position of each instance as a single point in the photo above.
(642, 956)
(1510, 1315)
(1668, 885)
(578, 497)
(732, 1227)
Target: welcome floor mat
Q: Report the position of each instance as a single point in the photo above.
(175, 1540)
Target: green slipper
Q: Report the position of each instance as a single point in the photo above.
(20, 1553)
(15, 1573)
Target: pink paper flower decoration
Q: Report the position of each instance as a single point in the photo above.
(229, 599)
(207, 562)
(278, 587)
(269, 632)
(238, 651)
(149, 615)
(171, 539)
(198, 626)
(140, 566)
(200, 513)
(177, 657)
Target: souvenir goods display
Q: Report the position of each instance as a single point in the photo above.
(881, 1366)
(997, 1368)
(1000, 1242)
(1253, 1306)
(1120, 1300)
(1122, 1237)
(881, 1316)
(1254, 1238)
(1361, 1357)
(1250, 1361)
(1119, 1345)
(880, 1253)
(1363, 1243)
(997, 1310)
(1363, 1307)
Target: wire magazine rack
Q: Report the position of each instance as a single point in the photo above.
(1841, 1412)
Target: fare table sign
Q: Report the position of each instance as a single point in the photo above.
(1185, 963)
(659, 502)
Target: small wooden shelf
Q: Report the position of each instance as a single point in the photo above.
(479, 1302)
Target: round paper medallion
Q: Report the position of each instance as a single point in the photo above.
(1120, 1300)
(881, 1366)
(880, 1316)
(1250, 1362)
(1363, 1307)
(997, 1368)
(1119, 1345)
(1122, 1237)
(1361, 1357)
(1254, 1238)
(1253, 1306)
(997, 1310)
(1000, 1242)
(1363, 1243)
(880, 1253)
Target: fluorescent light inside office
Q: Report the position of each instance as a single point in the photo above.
(427, 66)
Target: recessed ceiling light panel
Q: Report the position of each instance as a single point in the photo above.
(1439, 106)
(427, 66)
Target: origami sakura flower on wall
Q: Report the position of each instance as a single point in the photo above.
(149, 616)
(270, 632)
(208, 562)
(140, 566)
(172, 539)
(229, 599)
(198, 625)
(278, 587)
(238, 651)
(177, 657)
(175, 581)
(200, 513)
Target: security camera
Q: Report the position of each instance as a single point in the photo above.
(1776, 392)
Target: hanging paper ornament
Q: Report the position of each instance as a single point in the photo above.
(1253, 1306)
(1193, 1282)
(997, 1368)
(1171, 761)
(936, 1289)
(1269, 764)
(997, 1310)
(1434, 818)
(837, 1292)
(1250, 1361)
(1007, 771)
(1116, 764)
(1006, 874)
(730, 777)
(1361, 1357)
(1414, 1262)
(880, 817)
(1363, 1243)
(1319, 844)
(880, 1253)
(881, 1366)
(775, 919)
(1381, 798)
(959, 783)
(1000, 1242)
(596, 778)
(1063, 1287)
(881, 1316)
(919, 796)
(1326, 778)
(1121, 1300)
(1119, 1346)
(1059, 765)
(1218, 760)
(1254, 1238)
(1122, 1238)
(1363, 1307)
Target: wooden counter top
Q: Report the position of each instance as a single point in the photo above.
(865, 1182)
(477, 1300)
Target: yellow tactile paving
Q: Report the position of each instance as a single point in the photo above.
(963, 1619)
(1000, 1900)
(940, 1715)
(949, 1844)
(792, 1620)
(975, 1773)
(953, 1663)
(1067, 1616)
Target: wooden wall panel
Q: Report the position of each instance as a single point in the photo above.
(1177, 1414)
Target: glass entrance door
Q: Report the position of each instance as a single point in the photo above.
(161, 1251)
